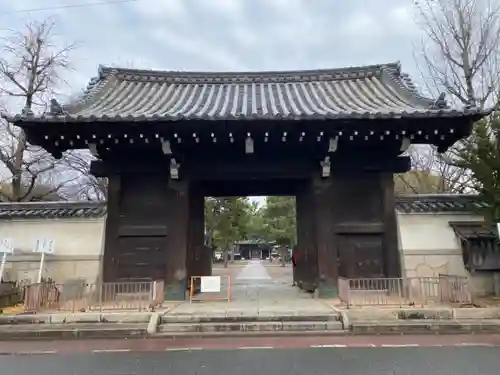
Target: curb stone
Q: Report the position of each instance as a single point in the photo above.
(63, 332)
(269, 327)
(154, 323)
(487, 326)
(75, 318)
(165, 319)
(123, 331)
(344, 318)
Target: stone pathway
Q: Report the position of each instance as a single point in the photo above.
(255, 293)
(254, 283)
(254, 270)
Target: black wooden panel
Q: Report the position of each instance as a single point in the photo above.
(142, 230)
(143, 200)
(141, 257)
(357, 198)
(361, 255)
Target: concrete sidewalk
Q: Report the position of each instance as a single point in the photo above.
(248, 319)
(264, 303)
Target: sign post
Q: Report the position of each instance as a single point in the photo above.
(43, 246)
(5, 248)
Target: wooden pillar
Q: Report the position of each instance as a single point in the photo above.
(325, 244)
(307, 255)
(364, 224)
(177, 240)
(355, 227)
(111, 229)
(199, 257)
(392, 254)
(146, 228)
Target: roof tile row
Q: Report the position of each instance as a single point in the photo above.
(437, 203)
(378, 91)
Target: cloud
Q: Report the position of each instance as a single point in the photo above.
(159, 9)
(227, 34)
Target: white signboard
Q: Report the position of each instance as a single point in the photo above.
(6, 246)
(210, 284)
(45, 246)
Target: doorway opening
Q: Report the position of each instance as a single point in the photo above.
(252, 240)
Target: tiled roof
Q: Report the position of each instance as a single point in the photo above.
(424, 203)
(52, 210)
(473, 231)
(436, 203)
(377, 91)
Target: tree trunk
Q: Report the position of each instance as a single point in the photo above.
(226, 256)
(17, 176)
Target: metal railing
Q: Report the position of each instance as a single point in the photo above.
(446, 289)
(74, 296)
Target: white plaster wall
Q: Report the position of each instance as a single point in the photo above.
(429, 246)
(79, 246)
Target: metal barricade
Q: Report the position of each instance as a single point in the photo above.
(121, 296)
(210, 288)
(451, 289)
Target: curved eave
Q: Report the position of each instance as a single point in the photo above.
(474, 114)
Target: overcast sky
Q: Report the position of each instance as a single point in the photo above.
(226, 34)
(219, 35)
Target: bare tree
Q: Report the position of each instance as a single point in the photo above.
(31, 69)
(432, 173)
(459, 55)
(86, 187)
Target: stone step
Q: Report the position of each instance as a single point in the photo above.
(191, 319)
(262, 326)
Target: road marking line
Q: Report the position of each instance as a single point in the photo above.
(35, 352)
(399, 345)
(181, 349)
(255, 347)
(328, 346)
(110, 350)
(361, 346)
(472, 344)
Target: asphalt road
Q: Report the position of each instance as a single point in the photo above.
(310, 361)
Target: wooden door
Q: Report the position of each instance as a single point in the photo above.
(361, 255)
(141, 257)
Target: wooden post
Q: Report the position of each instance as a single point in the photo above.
(326, 247)
(176, 281)
(111, 231)
(307, 254)
(392, 256)
(196, 257)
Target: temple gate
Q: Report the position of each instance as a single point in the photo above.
(333, 138)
